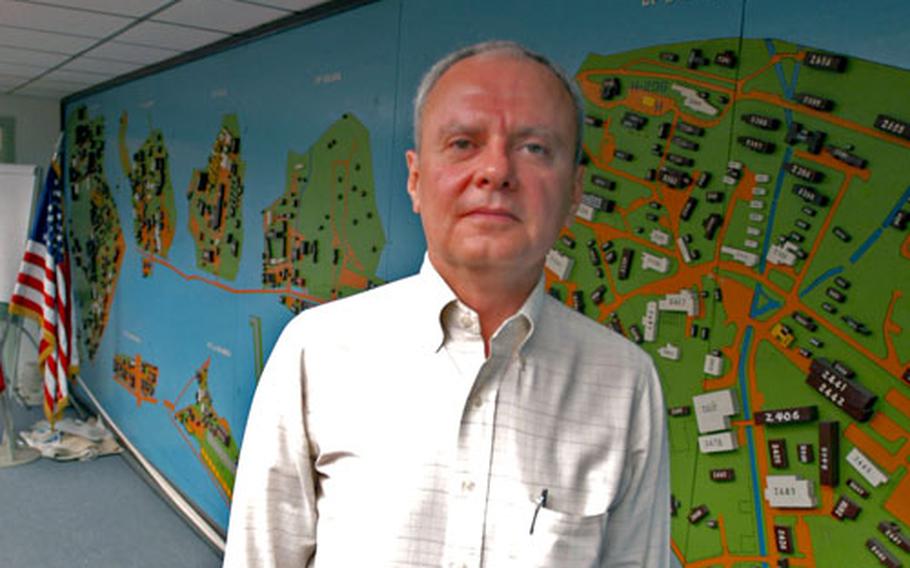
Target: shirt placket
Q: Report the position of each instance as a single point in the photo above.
(471, 483)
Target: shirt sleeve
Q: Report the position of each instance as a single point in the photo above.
(638, 524)
(273, 511)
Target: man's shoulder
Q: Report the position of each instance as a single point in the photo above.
(363, 309)
(588, 340)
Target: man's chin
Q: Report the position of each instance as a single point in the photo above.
(487, 257)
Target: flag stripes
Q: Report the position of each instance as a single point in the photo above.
(42, 292)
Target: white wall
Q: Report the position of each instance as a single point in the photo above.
(37, 127)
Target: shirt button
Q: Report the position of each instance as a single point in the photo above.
(477, 402)
(466, 321)
(467, 486)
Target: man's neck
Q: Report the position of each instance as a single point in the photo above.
(495, 294)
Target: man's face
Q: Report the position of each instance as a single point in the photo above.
(495, 178)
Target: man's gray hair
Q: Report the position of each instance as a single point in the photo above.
(508, 48)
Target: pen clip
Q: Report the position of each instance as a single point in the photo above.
(539, 503)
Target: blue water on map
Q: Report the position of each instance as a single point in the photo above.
(877, 233)
(750, 440)
(830, 273)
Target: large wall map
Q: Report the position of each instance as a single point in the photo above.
(745, 219)
(330, 188)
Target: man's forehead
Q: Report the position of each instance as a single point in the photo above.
(499, 62)
(498, 78)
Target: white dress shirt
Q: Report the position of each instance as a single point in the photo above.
(381, 436)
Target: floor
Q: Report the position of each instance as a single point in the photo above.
(99, 513)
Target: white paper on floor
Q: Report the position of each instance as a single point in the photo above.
(71, 439)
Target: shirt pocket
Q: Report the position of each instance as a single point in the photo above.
(559, 539)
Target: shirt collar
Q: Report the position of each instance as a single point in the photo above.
(436, 296)
(520, 326)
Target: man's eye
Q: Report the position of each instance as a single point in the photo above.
(535, 148)
(460, 143)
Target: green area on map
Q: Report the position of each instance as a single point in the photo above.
(154, 216)
(96, 239)
(218, 449)
(323, 236)
(215, 197)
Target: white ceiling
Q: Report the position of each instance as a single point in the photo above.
(53, 48)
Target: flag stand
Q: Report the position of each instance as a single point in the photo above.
(10, 452)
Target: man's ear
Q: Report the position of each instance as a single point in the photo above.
(577, 187)
(413, 179)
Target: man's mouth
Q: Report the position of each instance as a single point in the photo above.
(492, 213)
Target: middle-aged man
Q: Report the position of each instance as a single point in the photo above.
(462, 417)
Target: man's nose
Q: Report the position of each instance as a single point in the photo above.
(495, 167)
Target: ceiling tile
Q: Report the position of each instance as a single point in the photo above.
(222, 15)
(71, 76)
(59, 42)
(130, 52)
(122, 7)
(20, 70)
(33, 91)
(295, 5)
(28, 57)
(55, 19)
(101, 66)
(58, 85)
(170, 36)
(8, 81)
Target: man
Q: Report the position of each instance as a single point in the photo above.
(462, 417)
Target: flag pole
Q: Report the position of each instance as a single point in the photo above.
(10, 452)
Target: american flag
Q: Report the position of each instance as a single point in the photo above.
(42, 292)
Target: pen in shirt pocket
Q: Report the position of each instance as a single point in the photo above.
(539, 503)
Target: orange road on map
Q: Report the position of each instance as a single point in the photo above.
(137, 377)
(898, 400)
(730, 560)
(899, 502)
(286, 291)
(658, 63)
(889, 430)
(345, 275)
